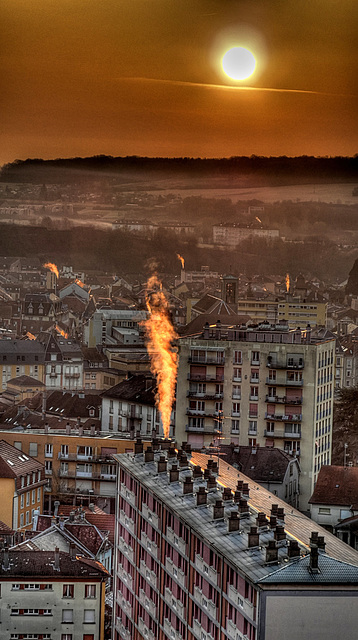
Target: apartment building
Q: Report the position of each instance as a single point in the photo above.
(203, 553)
(77, 467)
(22, 486)
(109, 326)
(232, 234)
(19, 358)
(51, 595)
(63, 362)
(265, 385)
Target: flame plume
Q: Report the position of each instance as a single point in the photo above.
(181, 260)
(61, 331)
(287, 282)
(52, 267)
(160, 334)
(258, 219)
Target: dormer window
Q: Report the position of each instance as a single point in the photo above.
(41, 309)
(30, 308)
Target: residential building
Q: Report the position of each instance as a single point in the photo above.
(20, 388)
(335, 496)
(21, 357)
(63, 362)
(22, 486)
(204, 553)
(112, 326)
(264, 385)
(231, 234)
(130, 407)
(51, 594)
(40, 311)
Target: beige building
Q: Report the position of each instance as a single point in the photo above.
(260, 386)
(22, 486)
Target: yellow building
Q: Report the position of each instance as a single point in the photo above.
(22, 486)
(299, 313)
(21, 358)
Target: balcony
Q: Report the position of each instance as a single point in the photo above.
(126, 577)
(175, 572)
(254, 380)
(170, 631)
(149, 575)
(125, 548)
(204, 396)
(174, 603)
(200, 632)
(124, 604)
(254, 398)
(289, 364)
(207, 570)
(280, 433)
(150, 516)
(291, 382)
(105, 458)
(148, 603)
(122, 630)
(283, 400)
(127, 521)
(204, 377)
(241, 602)
(203, 602)
(127, 495)
(149, 544)
(235, 414)
(206, 429)
(206, 360)
(275, 417)
(72, 375)
(144, 630)
(176, 541)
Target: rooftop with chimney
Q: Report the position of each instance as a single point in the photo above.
(239, 519)
(42, 564)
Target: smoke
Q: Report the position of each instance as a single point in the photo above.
(181, 260)
(160, 335)
(52, 267)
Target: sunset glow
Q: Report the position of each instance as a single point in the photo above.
(238, 63)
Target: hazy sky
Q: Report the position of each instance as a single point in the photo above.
(143, 77)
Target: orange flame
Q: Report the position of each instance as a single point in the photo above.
(160, 334)
(52, 267)
(30, 335)
(61, 331)
(258, 219)
(287, 282)
(80, 283)
(181, 260)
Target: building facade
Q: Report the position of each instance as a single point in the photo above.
(194, 557)
(265, 385)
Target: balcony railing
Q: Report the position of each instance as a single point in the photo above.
(283, 400)
(204, 396)
(297, 417)
(280, 433)
(206, 428)
(297, 364)
(205, 360)
(286, 382)
(204, 377)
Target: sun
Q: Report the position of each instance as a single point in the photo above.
(238, 63)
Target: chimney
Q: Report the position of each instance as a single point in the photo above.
(155, 442)
(35, 519)
(80, 430)
(218, 510)
(47, 427)
(280, 533)
(201, 496)
(149, 454)
(239, 485)
(293, 550)
(237, 496)
(171, 450)
(210, 464)
(227, 494)
(183, 460)
(261, 519)
(162, 464)
(211, 483)
(207, 473)
(78, 422)
(5, 559)
(273, 522)
(206, 331)
(93, 430)
(243, 506)
(197, 473)
(215, 467)
(280, 514)
(174, 473)
(274, 508)
(187, 485)
(253, 537)
(313, 567)
(233, 522)
(56, 504)
(272, 552)
(321, 543)
(72, 516)
(138, 445)
(245, 489)
(218, 330)
(72, 551)
(68, 429)
(57, 559)
(91, 507)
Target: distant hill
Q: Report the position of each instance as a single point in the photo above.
(255, 169)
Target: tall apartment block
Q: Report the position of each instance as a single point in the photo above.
(203, 553)
(261, 386)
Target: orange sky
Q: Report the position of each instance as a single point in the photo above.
(142, 77)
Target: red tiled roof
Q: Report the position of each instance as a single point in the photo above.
(86, 534)
(14, 463)
(336, 485)
(104, 522)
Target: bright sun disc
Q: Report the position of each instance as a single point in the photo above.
(238, 63)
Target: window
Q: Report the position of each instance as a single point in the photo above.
(22, 501)
(64, 450)
(68, 591)
(27, 498)
(237, 374)
(38, 494)
(18, 445)
(21, 519)
(48, 467)
(27, 517)
(33, 449)
(235, 426)
(253, 410)
(90, 591)
(67, 615)
(111, 406)
(89, 616)
(237, 357)
(254, 393)
(66, 636)
(253, 427)
(236, 408)
(48, 450)
(33, 496)
(255, 357)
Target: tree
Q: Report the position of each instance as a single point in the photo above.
(352, 284)
(345, 426)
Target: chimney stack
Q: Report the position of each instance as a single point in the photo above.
(211, 483)
(149, 454)
(206, 331)
(313, 567)
(93, 430)
(174, 473)
(253, 537)
(201, 496)
(188, 485)
(56, 505)
(280, 533)
(321, 543)
(183, 460)
(227, 494)
(273, 522)
(245, 490)
(293, 550)
(171, 450)
(57, 559)
(237, 496)
(72, 551)
(233, 522)
(197, 473)
(80, 430)
(68, 429)
(261, 519)
(243, 507)
(162, 464)
(272, 552)
(47, 427)
(274, 508)
(280, 514)
(138, 445)
(5, 559)
(218, 510)
(239, 485)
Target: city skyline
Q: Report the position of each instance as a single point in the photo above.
(139, 78)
